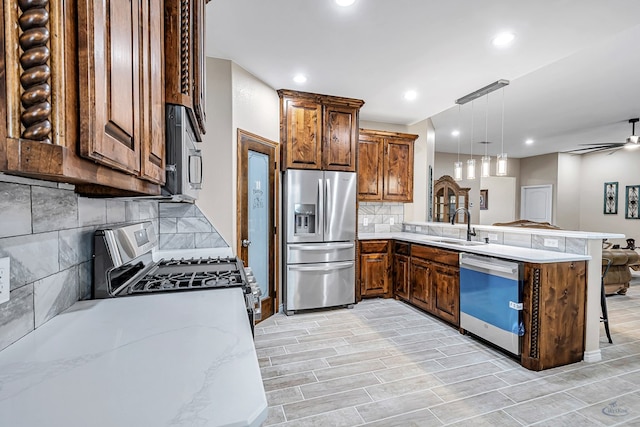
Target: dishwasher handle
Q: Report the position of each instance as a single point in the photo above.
(489, 266)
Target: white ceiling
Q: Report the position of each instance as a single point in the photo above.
(574, 66)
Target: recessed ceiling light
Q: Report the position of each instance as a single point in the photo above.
(503, 39)
(345, 3)
(529, 141)
(410, 95)
(455, 132)
(300, 78)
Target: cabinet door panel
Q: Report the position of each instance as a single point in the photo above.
(109, 52)
(370, 151)
(420, 279)
(446, 299)
(401, 276)
(303, 134)
(374, 270)
(398, 177)
(153, 154)
(340, 140)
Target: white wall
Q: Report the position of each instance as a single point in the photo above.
(216, 200)
(235, 99)
(501, 199)
(598, 168)
(567, 191)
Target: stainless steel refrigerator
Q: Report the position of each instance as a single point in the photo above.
(320, 247)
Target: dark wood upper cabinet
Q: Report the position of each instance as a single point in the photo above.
(185, 58)
(385, 166)
(318, 131)
(110, 51)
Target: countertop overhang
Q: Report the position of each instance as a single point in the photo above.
(178, 358)
(487, 249)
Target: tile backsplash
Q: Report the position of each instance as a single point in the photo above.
(47, 231)
(379, 215)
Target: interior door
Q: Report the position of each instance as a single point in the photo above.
(536, 203)
(257, 208)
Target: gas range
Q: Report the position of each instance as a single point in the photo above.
(125, 264)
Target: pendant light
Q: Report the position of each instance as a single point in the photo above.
(501, 166)
(471, 163)
(457, 166)
(485, 165)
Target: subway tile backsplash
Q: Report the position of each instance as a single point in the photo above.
(47, 231)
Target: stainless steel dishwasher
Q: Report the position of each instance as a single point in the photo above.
(491, 300)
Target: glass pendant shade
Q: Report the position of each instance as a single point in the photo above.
(485, 167)
(471, 169)
(501, 167)
(457, 171)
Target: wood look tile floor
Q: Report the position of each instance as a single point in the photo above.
(384, 363)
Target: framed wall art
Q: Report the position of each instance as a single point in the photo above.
(484, 200)
(631, 202)
(610, 198)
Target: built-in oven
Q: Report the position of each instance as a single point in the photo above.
(124, 265)
(183, 157)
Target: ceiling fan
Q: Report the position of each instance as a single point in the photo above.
(631, 141)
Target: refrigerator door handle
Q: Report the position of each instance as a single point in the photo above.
(320, 205)
(321, 267)
(327, 207)
(321, 248)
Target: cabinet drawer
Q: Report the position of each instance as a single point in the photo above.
(401, 248)
(374, 246)
(430, 253)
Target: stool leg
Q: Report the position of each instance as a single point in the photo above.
(605, 315)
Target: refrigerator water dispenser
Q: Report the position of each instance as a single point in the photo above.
(305, 219)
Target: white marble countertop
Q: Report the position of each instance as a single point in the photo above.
(590, 235)
(488, 249)
(171, 359)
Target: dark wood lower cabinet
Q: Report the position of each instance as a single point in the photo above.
(374, 269)
(420, 279)
(553, 313)
(554, 295)
(446, 295)
(400, 276)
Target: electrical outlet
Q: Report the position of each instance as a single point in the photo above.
(391, 221)
(492, 236)
(5, 288)
(418, 228)
(365, 221)
(551, 243)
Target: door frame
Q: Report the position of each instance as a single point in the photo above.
(252, 140)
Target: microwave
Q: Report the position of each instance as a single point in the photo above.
(183, 158)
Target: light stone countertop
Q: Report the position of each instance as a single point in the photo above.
(589, 235)
(166, 359)
(488, 249)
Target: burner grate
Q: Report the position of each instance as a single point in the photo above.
(183, 274)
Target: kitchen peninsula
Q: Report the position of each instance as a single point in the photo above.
(535, 247)
(182, 358)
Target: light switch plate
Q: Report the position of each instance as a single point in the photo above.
(418, 228)
(365, 221)
(5, 288)
(492, 237)
(551, 243)
(391, 221)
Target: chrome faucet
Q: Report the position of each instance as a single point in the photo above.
(469, 231)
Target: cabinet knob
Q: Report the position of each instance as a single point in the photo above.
(246, 243)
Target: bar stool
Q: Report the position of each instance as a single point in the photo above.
(603, 299)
